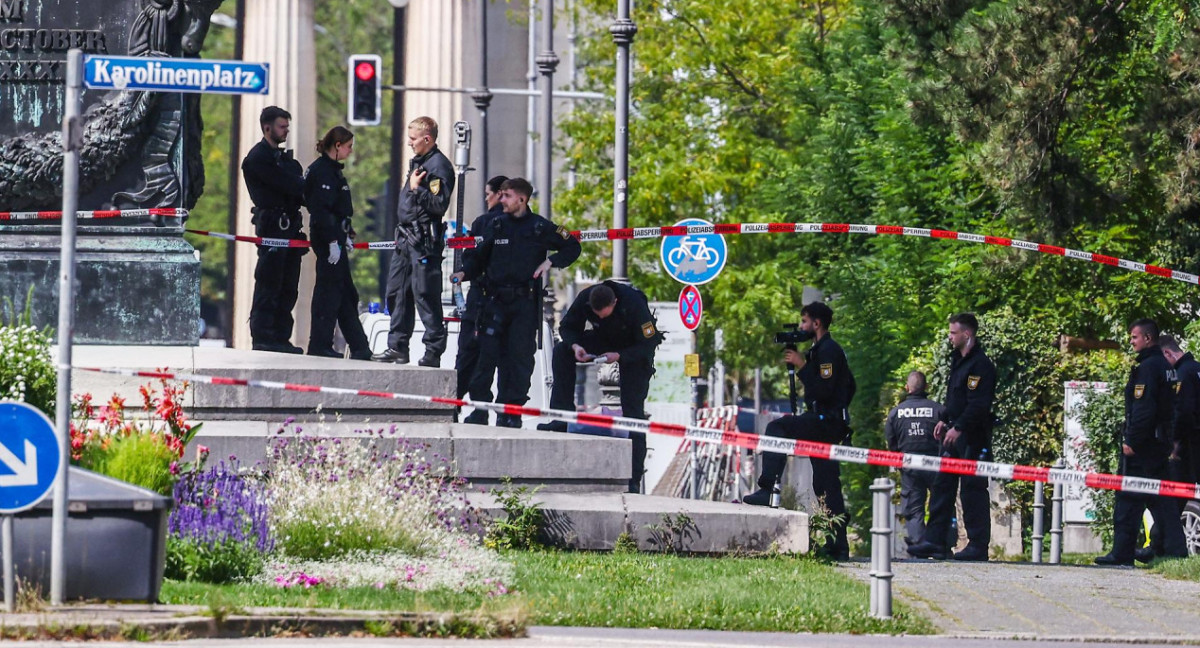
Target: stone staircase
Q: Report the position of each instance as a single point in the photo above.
(579, 479)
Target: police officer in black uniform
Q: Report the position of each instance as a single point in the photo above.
(468, 344)
(334, 300)
(965, 432)
(612, 320)
(1145, 446)
(415, 276)
(909, 429)
(275, 182)
(512, 260)
(829, 387)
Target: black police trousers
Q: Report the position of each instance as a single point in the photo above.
(415, 288)
(467, 359)
(507, 334)
(335, 301)
(276, 287)
(826, 474)
(635, 386)
(976, 504)
(915, 486)
(1129, 506)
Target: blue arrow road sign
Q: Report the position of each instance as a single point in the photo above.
(29, 456)
(694, 258)
(175, 75)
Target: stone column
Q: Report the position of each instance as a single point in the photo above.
(279, 32)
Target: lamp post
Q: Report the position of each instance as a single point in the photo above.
(483, 99)
(547, 61)
(395, 172)
(623, 31)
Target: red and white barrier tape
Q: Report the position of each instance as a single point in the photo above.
(104, 213)
(788, 228)
(744, 440)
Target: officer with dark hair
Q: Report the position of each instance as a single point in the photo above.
(613, 321)
(965, 432)
(275, 182)
(909, 429)
(512, 259)
(415, 277)
(829, 387)
(1145, 446)
(468, 344)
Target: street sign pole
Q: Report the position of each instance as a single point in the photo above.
(6, 545)
(72, 136)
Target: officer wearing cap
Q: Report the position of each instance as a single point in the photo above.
(613, 321)
(415, 275)
(909, 429)
(510, 262)
(275, 182)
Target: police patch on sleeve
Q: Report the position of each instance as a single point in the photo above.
(562, 231)
(648, 329)
(1138, 390)
(435, 186)
(827, 370)
(972, 382)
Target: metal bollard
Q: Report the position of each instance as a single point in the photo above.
(1039, 510)
(881, 548)
(1056, 521)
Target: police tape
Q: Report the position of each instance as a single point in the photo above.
(168, 212)
(757, 443)
(464, 242)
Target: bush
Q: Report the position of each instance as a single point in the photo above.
(219, 526)
(140, 459)
(27, 372)
(521, 527)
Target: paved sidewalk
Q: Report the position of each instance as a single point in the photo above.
(1024, 600)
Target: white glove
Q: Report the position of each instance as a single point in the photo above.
(335, 252)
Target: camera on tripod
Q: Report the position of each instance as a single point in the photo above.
(792, 336)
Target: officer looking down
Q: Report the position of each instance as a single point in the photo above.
(909, 429)
(613, 322)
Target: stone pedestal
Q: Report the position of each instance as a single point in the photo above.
(136, 284)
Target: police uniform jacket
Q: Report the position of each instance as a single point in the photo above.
(828, 384)
(1149, 403)
(275, 182)
(481, 224)
(329, 205)
(630, 330)
(513, 248)
(422, 208)
(1187, 399)
(910, 425)
(970, 393)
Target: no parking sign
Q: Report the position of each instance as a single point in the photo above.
(691, 307)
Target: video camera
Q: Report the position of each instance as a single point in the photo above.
(792, 336)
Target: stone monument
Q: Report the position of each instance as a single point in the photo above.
(137, 279)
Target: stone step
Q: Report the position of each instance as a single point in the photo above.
(483, 455)
(594, 521)
(215, 402)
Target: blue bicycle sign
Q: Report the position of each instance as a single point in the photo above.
(695, 258)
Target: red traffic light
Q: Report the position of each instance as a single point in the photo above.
(365, 71)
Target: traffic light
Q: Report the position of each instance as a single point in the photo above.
(364, 91)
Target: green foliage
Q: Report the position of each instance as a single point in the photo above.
(674, 533)
(27, 372)
(140, 459)
(521, 527)
(625, 543)
(228, 561)
(823, 524)
(1101, 416)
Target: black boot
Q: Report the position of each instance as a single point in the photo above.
(508, 420)
(477, 417)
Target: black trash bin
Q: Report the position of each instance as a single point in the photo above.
(116, 542)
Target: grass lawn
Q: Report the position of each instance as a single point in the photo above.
(1181, 569)
(626, 590)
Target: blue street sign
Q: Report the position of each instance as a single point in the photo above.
(175, 75)
(695, 258)
(29, 456)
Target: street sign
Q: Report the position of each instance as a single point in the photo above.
(29, 456)
(175, 75)
(691, 307)
(694, 258)
(691, 365)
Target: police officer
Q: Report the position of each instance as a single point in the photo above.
(1145, 446)
(512, 260)
(909, 429)
(275, 182)
(415, 276)
(334, 300)
(829, 387)
(613, 321)
(468, 345)
(965, 432)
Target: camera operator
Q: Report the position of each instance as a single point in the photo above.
(828, 389)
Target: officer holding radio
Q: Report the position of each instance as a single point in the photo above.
(828, 389)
